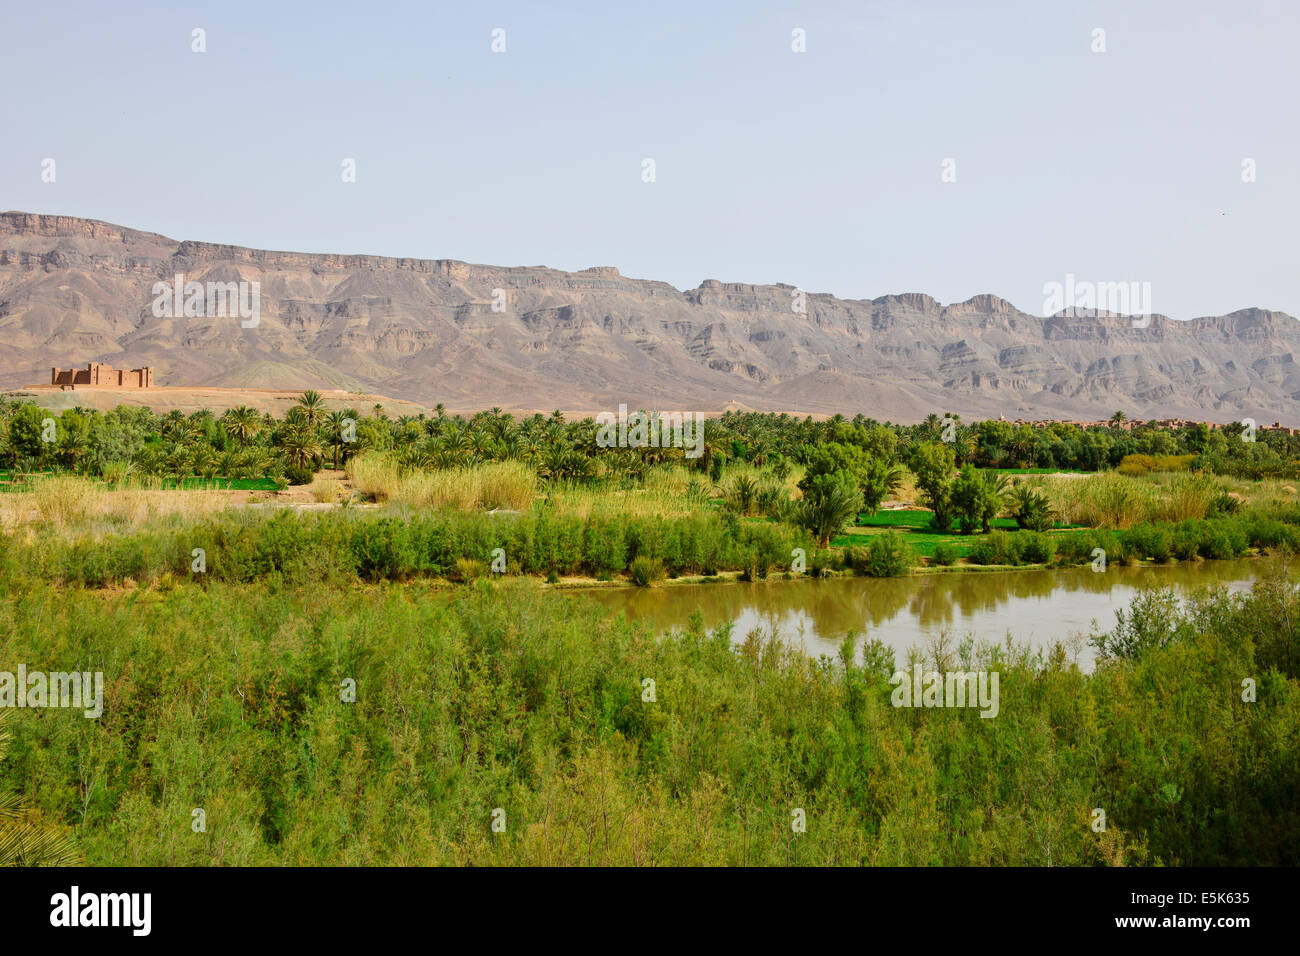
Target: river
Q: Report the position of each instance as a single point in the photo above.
(1036, 607)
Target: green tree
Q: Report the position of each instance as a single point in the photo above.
(74, 438)
(933, 464)
(26, 430)
(301, 445)
(977, 499)
(242, 424)
(876, 478)
(311, 402)
(829, 502)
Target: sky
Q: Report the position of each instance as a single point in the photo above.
(950, 148)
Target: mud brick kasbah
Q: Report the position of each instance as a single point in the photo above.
(99, 374)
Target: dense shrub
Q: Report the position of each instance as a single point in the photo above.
(1036, 547)
(945, 554)
(889, 556)
(1078, 547)
(646, 571)
(299, 474)
(1185, 540)
(999, 547)
(1148, 541)
(855, 559)
(289, 547)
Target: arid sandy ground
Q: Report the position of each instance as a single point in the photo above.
(163, 399)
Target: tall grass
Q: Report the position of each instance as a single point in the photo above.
(1115, 501)
(664, 496)
(326, 490)
(504, 485)
(1187, 497)
(72, 504)
(1145, 464)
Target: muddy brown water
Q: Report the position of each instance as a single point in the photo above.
(1035, 607)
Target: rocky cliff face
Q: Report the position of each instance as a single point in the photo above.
(75, 290)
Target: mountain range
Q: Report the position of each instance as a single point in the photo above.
(431, 331)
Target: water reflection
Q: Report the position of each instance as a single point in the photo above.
(1038, 607)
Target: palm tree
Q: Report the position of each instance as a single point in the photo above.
(300, 445)
(314, 405)
(1022, 446)
(828, 504)
(74, 438)
(965, 445)
(712, 446)
(480, 443)
(335, 425)
(242, 424)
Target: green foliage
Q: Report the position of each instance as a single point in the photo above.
(1224, 504)
(889, 556)
(289, 547)
(829, 503)
(1153, 621)
(945, 554)
(299, 474)
(27, 838)
(498, 695)
(1000, 547)
(1036, 547)
(1031, 508)
(933, 464)
(1149, 541)
(876, 478)
(742, 494)
(977, 499)
(24, 435)
(645, 571)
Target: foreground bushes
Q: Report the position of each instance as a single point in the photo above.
(498, 696)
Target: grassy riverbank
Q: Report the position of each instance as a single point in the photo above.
(75, 532)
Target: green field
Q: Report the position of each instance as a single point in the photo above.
(1036, 471)
(8, 483)
(915, 525)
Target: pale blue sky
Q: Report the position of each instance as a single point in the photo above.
(819, 169)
